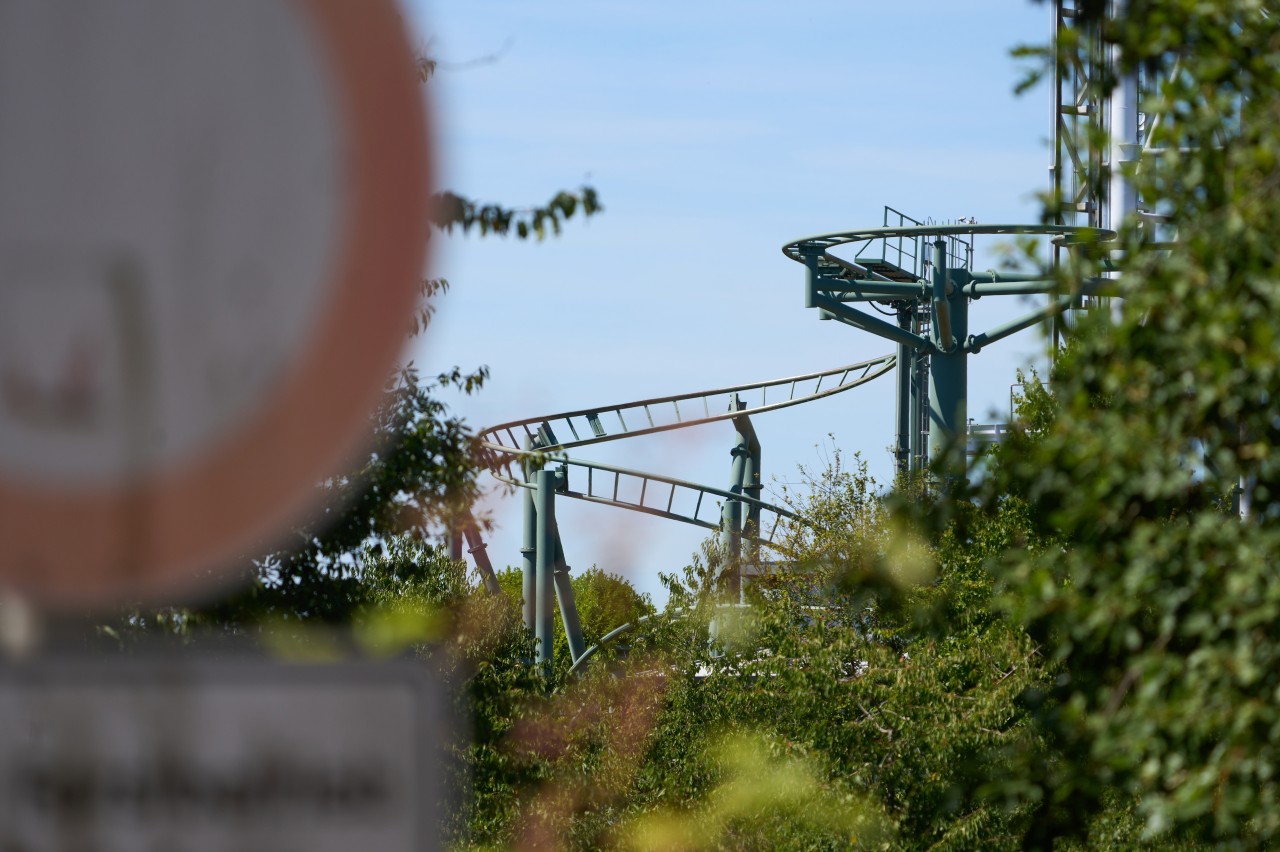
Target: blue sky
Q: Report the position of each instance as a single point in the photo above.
(714, 133)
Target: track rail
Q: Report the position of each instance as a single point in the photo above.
(647, 416)
(661, 496)
(647, 493)
(533, 443)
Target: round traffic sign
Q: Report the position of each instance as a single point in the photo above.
(212, 224)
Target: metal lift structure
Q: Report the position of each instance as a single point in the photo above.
(918, 274)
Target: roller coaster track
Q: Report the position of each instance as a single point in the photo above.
(662, 414)
(661, 496)
(530, 444)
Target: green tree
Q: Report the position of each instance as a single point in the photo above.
(875, 675)
(1160, 604)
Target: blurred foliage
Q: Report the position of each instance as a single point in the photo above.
(420, 476)
(488, 219)
(453, 210)
(1158, 606)
(877, 661)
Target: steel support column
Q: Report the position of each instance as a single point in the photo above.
(544, 496)
(751, 483)
(948, 369)
(529, 545)
(731, 512)
(564, 594)
(906, 364)
(746, 480)
(479, 552)
(919, 398)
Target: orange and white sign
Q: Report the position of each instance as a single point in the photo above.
(212, 224)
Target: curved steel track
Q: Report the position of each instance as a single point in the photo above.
(661, 414)
(542, 439)
(653, 494)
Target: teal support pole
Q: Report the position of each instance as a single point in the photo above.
(564, 594)
(878, 290)
(1000, 332)
(948, 369)
(746, 465)
(731, 512)
(865, 322)
(529, 553)
(811, 284)
(544, 496)
(751, 481)
(479, 552)
(944, 337)
(906, 365)
(811, 280)
(919, 396)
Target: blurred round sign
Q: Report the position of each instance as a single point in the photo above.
(212, 224)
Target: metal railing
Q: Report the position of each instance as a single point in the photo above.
(903, 252)
(912, 253)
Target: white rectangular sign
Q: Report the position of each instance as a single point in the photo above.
(181, 755)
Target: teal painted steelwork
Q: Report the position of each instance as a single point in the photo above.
(933, 344)
(753, 519)
(919, 425)
(580, 662)
(948, 368)
(868, 323)
(564, 592)
(906, 361)
(977, 289)
(932, 349)
(480, 555)
(944, 337)
(919, 390)
(620, 631)
(739, 516)
(975, 342)
(664, 497)
(631, 419)
(545, 575)
(876, 289)
(751, 486)
(731, 521)
(544, 494)
(528, 552)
